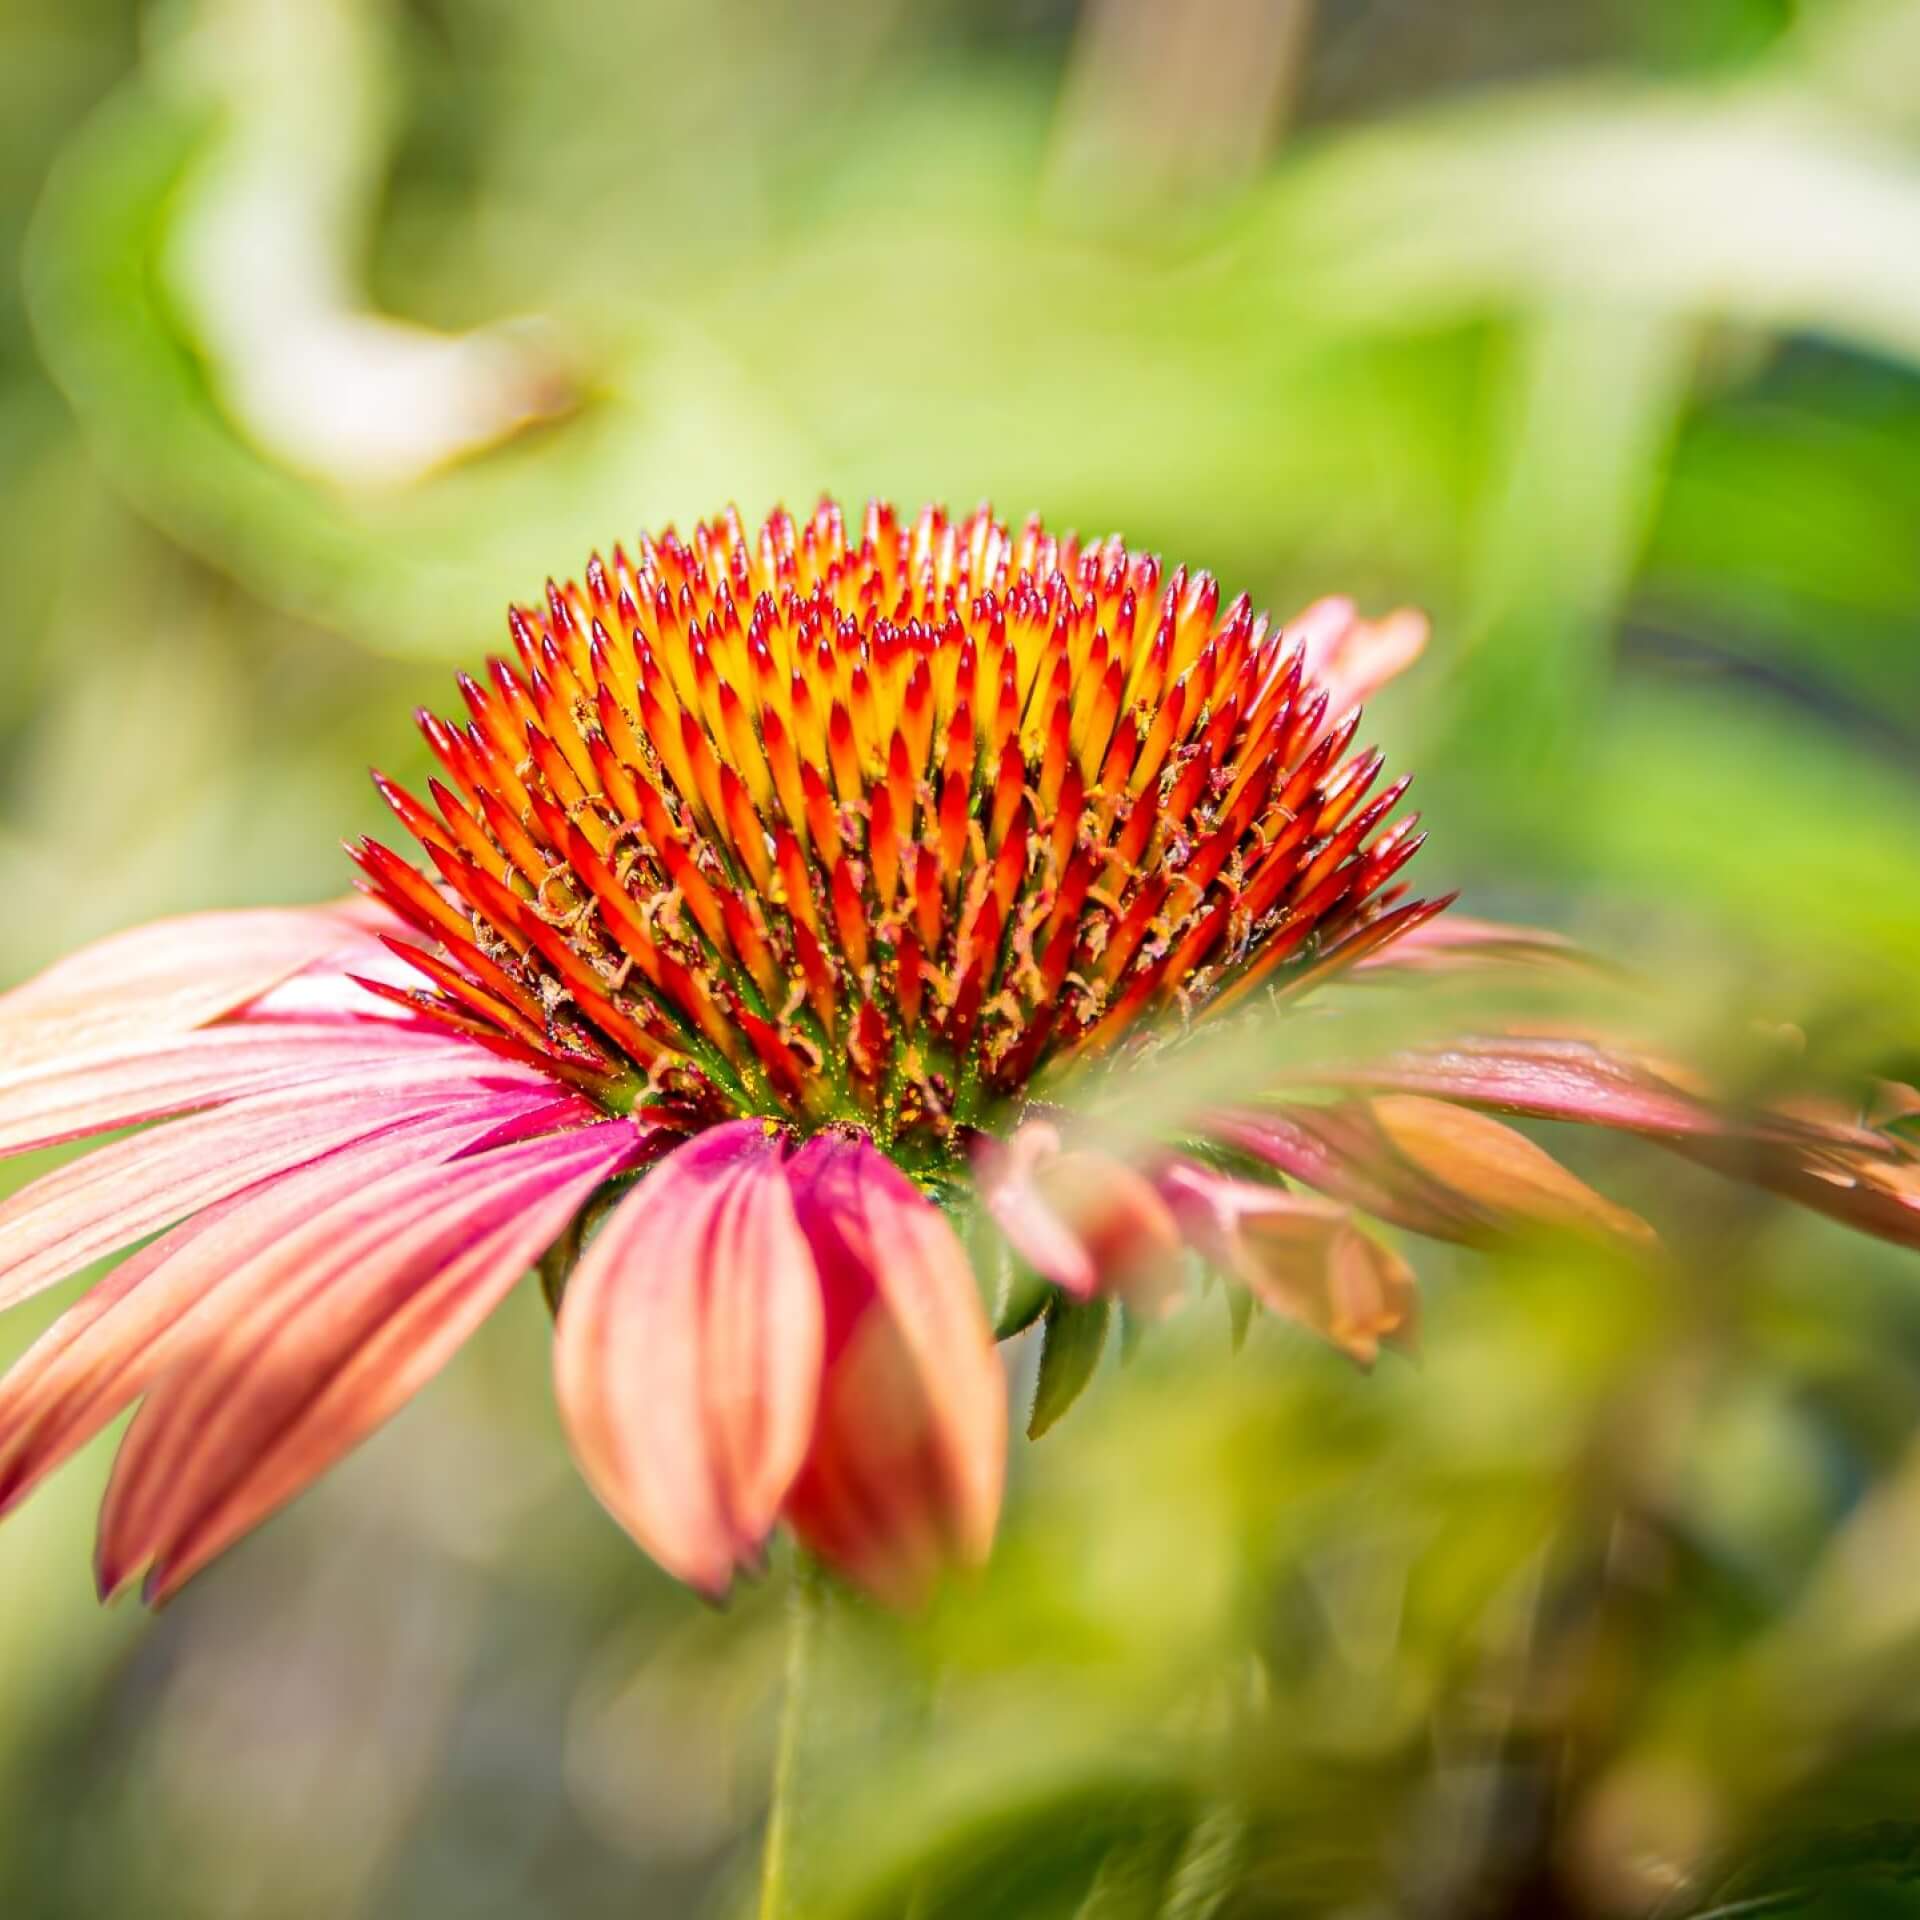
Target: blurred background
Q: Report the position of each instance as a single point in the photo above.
(326, 326)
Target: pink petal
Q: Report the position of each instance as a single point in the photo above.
(1085, 1221)
(1824, 1161)
(1301, 1257)
(1431, 1166)
(909, 1456)
(1004, 1175)
(121, 1335)
(1338, 1151)
(166, 978)
(330, 989)
(1546, 1078)
(1353, 658)
(308, 1369)
(1457, 942)
(72, 1216)
(1874, 1191)
(46, 1106)
(1500, 1173)
(687, 1354)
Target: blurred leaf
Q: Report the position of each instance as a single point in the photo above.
(1746, 202)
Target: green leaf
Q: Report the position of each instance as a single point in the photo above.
(1022, 1300)
(1074, 1338)
(1239, 1312)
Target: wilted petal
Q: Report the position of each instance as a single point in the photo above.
(1431, 1166)
(1873, 1189)
(687, 1354)
(314, 1364)
(1083, 1220)
(1498, 1171)
(1819, 1158)
(909, 1453)
(1302, 1257)
(166, 978)
(150, 1311)
(1338, 1150)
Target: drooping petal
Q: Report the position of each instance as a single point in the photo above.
(1431, 1166)
(48, 1106)
(166, 978)
(1823, 1160)
(365, 1313)
(1004, 1173)
(687, 1354)
(1084, 1220)
(1501, 1173)
(909, 1453)
(1337, 1150)
(1545, 1077)
(120, 1336)
(94, 1206)
(1873, 1190)
(1302, 1257)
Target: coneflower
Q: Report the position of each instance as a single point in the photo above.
(763, 893)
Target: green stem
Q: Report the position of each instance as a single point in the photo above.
(804, 1602)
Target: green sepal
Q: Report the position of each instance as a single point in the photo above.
(1239, 1311)
(1070, 1347)
(1023, 1298)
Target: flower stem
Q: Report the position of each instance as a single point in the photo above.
(805, 1599)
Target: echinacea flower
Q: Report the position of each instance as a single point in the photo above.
(761, 890)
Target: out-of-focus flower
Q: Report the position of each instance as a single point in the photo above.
(764, 886)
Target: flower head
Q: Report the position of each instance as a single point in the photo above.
(773, 898)
(876, 828)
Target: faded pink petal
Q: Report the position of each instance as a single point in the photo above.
(286, 1386)
(1431, 1166)
(1867, 1179)
(1083, 1220)
(1547, 1078)
(330, 989)
(165, 978)
(1004, 1174)
(1503, 1174)
(687, 1354)
(909, 1453)
(94, 1206)
(1337, 1150)
(149, 1312)
(46, 1106)
(310, 1385)
(1455, 942)
(1874, 1190)
(1300, 1256)
(1353, 658)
